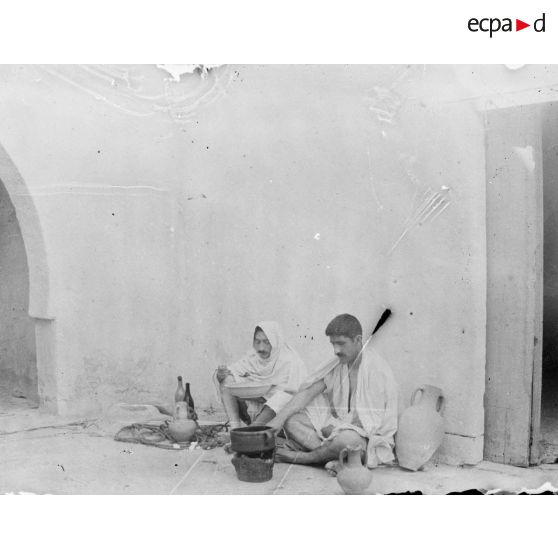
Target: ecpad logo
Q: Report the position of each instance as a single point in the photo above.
(494, 24)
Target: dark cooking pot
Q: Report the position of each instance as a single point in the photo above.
(252, 439)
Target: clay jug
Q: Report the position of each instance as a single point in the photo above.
(421, 428)
(353, 475)
(182, 429)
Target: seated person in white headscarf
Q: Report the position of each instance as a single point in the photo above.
(350, 401)
(271, 362)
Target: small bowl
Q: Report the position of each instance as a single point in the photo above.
(248, 390)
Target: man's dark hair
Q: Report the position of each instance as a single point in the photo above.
(345, 325)
(257, 330)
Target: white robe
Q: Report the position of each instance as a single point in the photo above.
(373, 412)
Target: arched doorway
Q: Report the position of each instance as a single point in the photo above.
(27, 351)
(18, 360)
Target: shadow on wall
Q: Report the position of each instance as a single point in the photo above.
(18, 366)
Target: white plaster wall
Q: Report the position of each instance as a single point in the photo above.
(275, 192)
(316, 160)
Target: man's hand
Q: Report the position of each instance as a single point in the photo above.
(327, 430)
(296, 404)
(222, 372)
(275, 425)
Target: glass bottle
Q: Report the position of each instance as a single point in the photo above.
(179, 393)
(190, 402)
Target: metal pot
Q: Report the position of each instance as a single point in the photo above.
(252, 439)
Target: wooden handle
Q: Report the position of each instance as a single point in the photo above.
(383, 319)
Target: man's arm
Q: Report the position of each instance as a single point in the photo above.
(296, 404)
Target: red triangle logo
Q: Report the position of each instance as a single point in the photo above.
(519, 25)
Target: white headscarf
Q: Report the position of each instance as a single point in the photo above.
(283, 368)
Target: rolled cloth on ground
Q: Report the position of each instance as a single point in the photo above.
(373, 412)
(284, 369)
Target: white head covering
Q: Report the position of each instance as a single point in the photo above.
(283, 368)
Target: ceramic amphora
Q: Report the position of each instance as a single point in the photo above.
(353, 475)
(421, 428)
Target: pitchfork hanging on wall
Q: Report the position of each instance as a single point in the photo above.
(432, 205)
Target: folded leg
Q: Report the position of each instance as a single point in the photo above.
(327, 451)
(300, 429)
(230, 403)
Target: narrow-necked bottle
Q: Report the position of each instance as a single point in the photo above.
(179, 393)
(190, 402)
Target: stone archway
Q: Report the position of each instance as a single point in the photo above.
(40, 301)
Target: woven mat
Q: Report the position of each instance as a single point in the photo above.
(207, 436)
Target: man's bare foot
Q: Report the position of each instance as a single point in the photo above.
(332, 467)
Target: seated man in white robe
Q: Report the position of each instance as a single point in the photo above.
(271, 362)
(350, 401)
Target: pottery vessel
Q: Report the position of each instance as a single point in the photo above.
(252, 439)
(353, 475)
(182, 429)
(421, 428)
(253, 469)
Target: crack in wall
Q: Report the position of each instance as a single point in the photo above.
(143, 90)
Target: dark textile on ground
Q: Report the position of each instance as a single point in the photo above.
(208, 436)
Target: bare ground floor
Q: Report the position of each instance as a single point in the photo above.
(40, 453)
